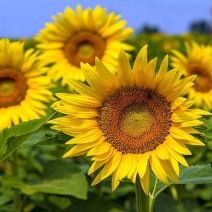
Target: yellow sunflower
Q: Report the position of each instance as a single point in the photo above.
(23, 88)
(131, 121)
(79, 37)
(198, 61)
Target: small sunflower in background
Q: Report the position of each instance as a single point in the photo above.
(23, 88)
(197, 61)
(131, 121)
(80, 36)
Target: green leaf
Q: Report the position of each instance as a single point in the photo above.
(208, 122)
(199, 174)
(54, 138)
(210, 144)
(63, 178)
(5, 198)
(208, 133)
(9, 182)
(196, 174)
(59, 177)
(11, 138)
(96, 203)
(61, 202)
(46, 137)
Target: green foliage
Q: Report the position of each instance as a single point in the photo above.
(59, 177)
(196, 174)
(191, 175)
(12, 138)
(208, 132)
(62, 178)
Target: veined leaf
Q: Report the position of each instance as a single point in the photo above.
(46, 137)
(198, 174)
(59, 177)
(11, 138)
(64, 178)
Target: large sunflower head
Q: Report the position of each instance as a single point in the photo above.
(80, 36)
(197, 61)
(23, 88)
(131, 121)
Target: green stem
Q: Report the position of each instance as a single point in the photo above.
(156, 181)
(151, 196)
(151, 203)
(142, 200)
(17, 196)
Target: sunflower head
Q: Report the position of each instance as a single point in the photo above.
(80, 36)
(197, 61)
(130, 122)
(23, 88)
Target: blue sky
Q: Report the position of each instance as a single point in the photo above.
(25, 18)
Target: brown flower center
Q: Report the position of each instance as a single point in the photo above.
(135, 120)
(203, 81)
(13, 87)
(84, 47)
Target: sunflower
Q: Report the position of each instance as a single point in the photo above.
(197, 61)
(79, 37)
(130, 122)
(23, 89)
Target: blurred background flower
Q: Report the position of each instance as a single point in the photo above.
(80, 36)
(196, 61)
(24, 91)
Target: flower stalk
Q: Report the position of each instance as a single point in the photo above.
(142, 200)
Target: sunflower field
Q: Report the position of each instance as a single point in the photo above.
(97, 118)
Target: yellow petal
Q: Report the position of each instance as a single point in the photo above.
(158, 169)
(81, 87)
(108, 79)
(149, 74)
(177, 146)
(143, 163)
(109, 167)
(169, 171)
(162, 70)
(124, 70)
(79, 99)
(93, 79)
(77, 153)
(100, 149)
(96, 165)
(162, 152)
(122, 170)
(139, 66)
(87, 137)
(182, 116)
(145, 181)
(175, 165)
(133, 171)
(180, 133)
(80, 149)
(177, 156)
(177, 102)
(192, 123)
(106, 154)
